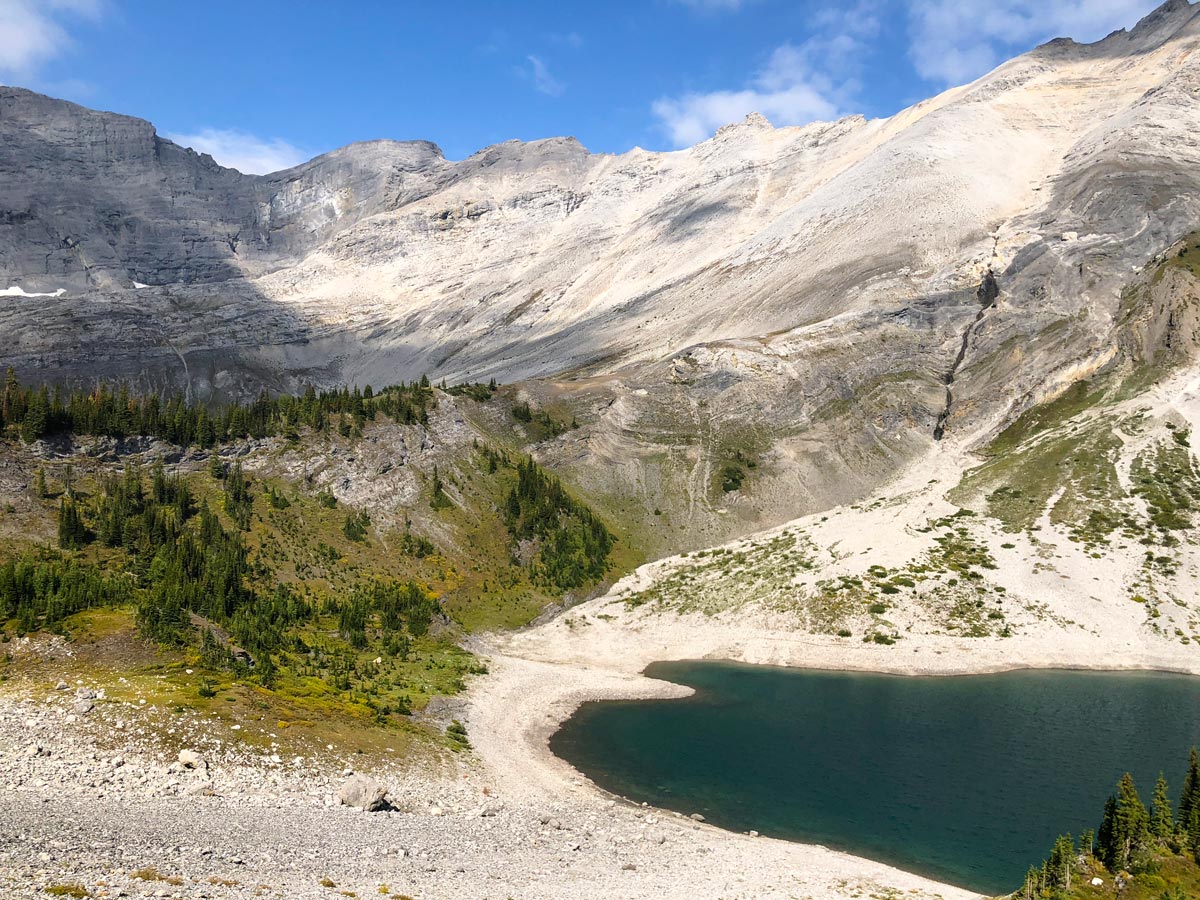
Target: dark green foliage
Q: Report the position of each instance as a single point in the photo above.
(327, 500)
(238, 503)
(574, 544)
(1129, 840)
(356, 525)
(1128, 834)
(398, 610)
(72, 534)
(416, 546)
(36, 413)
(545, 425)
(181, 563)
(481, 393)
(1188, 819)
(438, 498)
(732, 477)
(456, 733)
(41, 588)
(276, 500)
(1162, 821)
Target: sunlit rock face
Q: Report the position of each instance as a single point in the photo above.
(808, 289)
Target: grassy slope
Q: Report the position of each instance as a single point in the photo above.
(335, 691)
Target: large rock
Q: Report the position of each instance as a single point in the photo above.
(190, 759)
(363, 792)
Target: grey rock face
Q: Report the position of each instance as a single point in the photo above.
(95, 200)
(810, 289)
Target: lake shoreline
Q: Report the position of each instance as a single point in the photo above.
(600, 650)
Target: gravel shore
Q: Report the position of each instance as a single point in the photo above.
(92, 802)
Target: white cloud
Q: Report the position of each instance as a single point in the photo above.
(799, 83)
(542, 79)
(33, 32)
(242, 151)
(955, 41)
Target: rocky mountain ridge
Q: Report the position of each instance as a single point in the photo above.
(796, 297)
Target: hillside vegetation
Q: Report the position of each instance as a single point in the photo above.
(250, 577)
(1136, 853)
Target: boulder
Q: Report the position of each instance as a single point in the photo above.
(83, 706)
(190, 759)
(363, 792)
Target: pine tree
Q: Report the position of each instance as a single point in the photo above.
(1189, 798)
(37, 417)
(1106, 834)
(1162, 821)
(1032, 888)
(1128, 829)
(39, 484)
(439, 500)
(1087, 842)
(1060, 864)
(71, 532)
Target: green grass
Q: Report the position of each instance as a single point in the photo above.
(68, 889)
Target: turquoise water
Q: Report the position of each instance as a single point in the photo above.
(967, 780)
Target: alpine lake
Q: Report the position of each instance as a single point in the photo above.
(967, 779)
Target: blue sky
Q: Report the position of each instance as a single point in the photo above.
(266, 84)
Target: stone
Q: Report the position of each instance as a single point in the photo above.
(200, 789)
(83, 706)
(363, 792)
(190, 759)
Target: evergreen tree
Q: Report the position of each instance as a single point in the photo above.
(1106, 834)
(1189, 798)
(238, 502)
(71, 532)
(1060, 864)
(1032, 888)
(439, 499)
(39, 484)
(1087, 842)
(1162, 821)
(37, 417)
(1128, 829)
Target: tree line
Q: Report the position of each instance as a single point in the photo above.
(1129, 839)
(32, 413)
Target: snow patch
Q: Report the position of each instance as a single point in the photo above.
(137, 285)
(15, 291)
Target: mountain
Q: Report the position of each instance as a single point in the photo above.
(793, 312)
